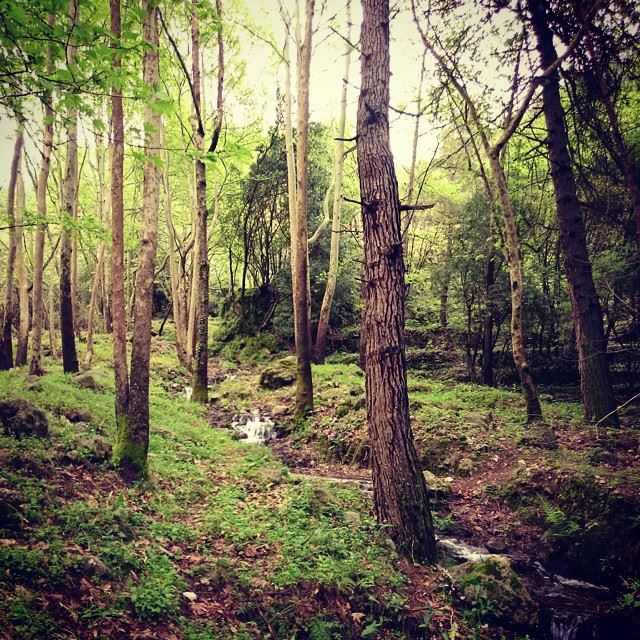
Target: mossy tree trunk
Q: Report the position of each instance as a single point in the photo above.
(400, 492)
(23, 285)
(133, 440)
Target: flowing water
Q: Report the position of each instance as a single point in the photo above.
(254, 428)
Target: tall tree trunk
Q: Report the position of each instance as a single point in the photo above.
(69, 195)
(6, 345)
(177, 290)
(35, 364)
(336, 220)
(301, 295)
(23, 285)
(444, 291)
(400, 492)
(97, 276)
(118, 313)
(595, 381)
(133, 454)
(53, 338)
(514, 262)
(487, 321)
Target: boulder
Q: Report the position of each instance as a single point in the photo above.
(77, 415)
(440, 489)
(282, 373)
(540, 435)
(466, 467)
(20, 418)
(492, 586)
(87, 380)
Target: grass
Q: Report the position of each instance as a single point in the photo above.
(219, 518)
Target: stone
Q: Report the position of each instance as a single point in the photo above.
(94, 566)
(282, 373)
(190, 596)
(495, 545)
(95, 450)
(494, 580)
(20, 418)
(33, 383)
(87, 380)
(478, 420)
(320, 499)
(466, 467)
(76, 415)
(352, 519)
(439, 489)
(540, 435)
(236, 434)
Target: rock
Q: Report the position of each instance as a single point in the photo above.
(352, 519)
(88, 380)
(190, 596)
(282, 373)
(494, 580)
(268, 474)
(478, 420)
(540, 435)
(20, 418)
(320, 499)
(33, 383)
(10, 509)
(440, 489)
(96, 450)
(466, 467)
(495, 545)
(77, 415)
(236, 434)
(94, 566)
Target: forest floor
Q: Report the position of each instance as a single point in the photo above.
(232, 540)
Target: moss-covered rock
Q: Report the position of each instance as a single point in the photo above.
(440, 489)
(20, 418)
(281, 373)
(492, 588)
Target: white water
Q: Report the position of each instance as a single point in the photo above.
(258, 430)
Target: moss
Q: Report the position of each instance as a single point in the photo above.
(129, 456)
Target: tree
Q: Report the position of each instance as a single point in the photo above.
(400, 492)
(597, 392)
(69, 195)
(35, 364)
(6, 345)
(23, 285)
(332, 276)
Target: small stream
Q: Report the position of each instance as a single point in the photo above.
(569, 609)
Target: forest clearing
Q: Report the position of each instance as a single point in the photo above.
(320, 320)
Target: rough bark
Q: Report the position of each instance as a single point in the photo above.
(595, 380)
(53, 338)
(487, 320)
(118, 313)
(23, 285)
(134, 439)
(301, 295)
(69, 195)
(334, 254)
(400, 493)
(6, 344)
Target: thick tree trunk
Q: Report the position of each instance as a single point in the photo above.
(69, 195)
(336, 220)
(23, 285)
(135, 441)
(6, 344)
(35, 364)
(514, 262)
(595, 381)
(199, 380)
(301, 295)
(400, 492)
(118, 313)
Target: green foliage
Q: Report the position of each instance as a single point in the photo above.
(156, 596)
(560, 525)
